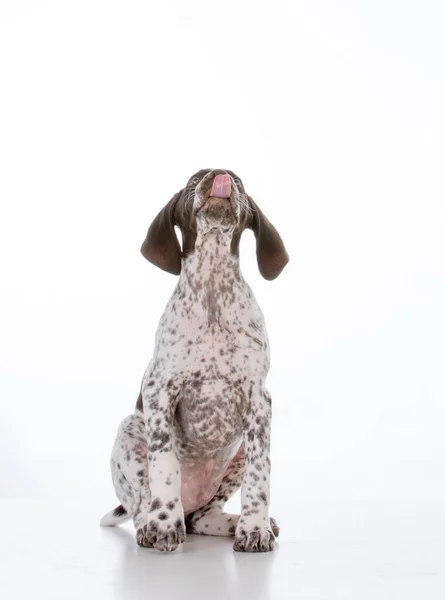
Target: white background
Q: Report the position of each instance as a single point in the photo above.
(333, 115)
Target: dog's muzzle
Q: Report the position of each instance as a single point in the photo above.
(218, 206)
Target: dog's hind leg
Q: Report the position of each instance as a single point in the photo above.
(129, 472)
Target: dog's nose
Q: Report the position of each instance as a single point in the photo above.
(222, 187)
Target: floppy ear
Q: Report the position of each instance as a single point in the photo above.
(161, 246)
(271, 254)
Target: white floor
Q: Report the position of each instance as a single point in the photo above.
(327, 550)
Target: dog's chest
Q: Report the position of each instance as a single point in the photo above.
(209, 415)
(214, 364)
(217, 370)
(211, 348)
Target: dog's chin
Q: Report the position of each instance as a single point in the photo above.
(218, 213)
(218, 209)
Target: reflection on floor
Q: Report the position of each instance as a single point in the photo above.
(329, 549)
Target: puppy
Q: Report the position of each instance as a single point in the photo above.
(201, 426)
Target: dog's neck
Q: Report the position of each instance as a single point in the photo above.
(211, 274)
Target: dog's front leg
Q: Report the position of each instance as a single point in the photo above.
(165, 527)
(253, 532)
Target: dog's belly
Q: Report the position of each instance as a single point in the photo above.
(208, 434)
(200, 481)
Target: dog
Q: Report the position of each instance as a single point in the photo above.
(201, 426)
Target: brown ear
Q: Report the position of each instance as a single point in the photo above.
(161, 246)
(271, 254)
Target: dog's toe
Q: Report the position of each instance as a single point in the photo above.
(142, 539)
(274, 526)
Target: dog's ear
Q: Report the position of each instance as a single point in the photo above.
(161, 246)
(271, 254)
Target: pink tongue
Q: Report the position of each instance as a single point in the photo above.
(222, 187)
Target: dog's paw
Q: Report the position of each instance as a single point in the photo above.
(255, 539)
(163, 534)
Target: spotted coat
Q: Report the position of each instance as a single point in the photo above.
(201, 428)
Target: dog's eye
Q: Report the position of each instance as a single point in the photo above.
(194, 180)
(237, 182)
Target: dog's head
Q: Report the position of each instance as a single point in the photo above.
(213, 199)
